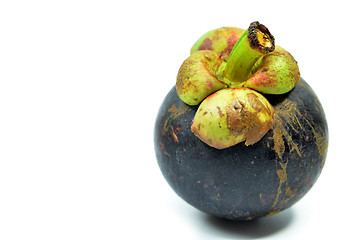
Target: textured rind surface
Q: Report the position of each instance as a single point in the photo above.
(244, 182)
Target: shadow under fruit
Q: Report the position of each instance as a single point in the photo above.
(243, 182)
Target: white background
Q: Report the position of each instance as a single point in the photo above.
(80, 86)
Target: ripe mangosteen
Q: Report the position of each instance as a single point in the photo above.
(241, 135)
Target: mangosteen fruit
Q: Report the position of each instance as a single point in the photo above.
(241, 135)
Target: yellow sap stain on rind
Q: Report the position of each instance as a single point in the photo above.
(279, 147)
(272, 213)
(288, 111)
(321, 142)
(175, 113)
(289, 194)
(287, 118)
(289, 191)
(174, 135)
(282, 175)
(321, 139)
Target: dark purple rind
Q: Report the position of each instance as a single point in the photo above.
(244, 182)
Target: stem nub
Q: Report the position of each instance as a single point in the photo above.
(260, 38)
(254, 43)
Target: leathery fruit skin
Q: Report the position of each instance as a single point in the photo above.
(244, 182)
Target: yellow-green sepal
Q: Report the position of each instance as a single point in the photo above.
(275, 73)
(231, 116)
(196, 77)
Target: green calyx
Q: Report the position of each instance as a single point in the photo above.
(227, 72)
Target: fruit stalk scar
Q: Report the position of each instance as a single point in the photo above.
(254, 43)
